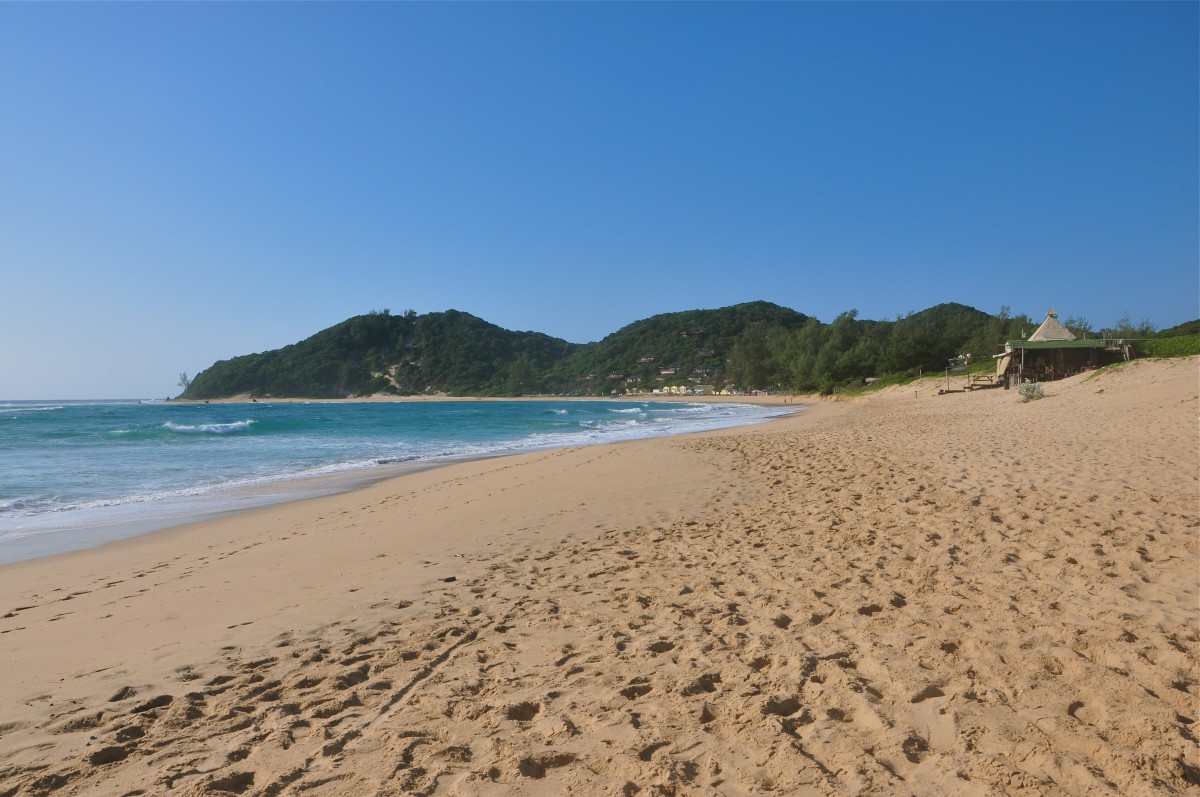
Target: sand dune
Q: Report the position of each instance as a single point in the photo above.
(910, 594)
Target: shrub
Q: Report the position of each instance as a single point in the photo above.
(1030, 391)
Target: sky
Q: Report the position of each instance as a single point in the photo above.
(186, 182)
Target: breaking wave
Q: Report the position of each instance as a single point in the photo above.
(209, 428)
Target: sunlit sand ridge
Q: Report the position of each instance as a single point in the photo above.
(910, 594)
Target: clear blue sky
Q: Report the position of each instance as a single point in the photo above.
(182, 183)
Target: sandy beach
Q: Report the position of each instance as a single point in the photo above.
(902, 594)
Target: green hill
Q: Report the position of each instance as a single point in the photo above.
(450, 352)
(672, 348)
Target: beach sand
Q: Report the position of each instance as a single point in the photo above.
(906, 594)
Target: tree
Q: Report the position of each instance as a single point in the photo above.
(522, 375)
(1079, 325)
(1125, 328)
(184, 381)
(801, 352)
(749, 359)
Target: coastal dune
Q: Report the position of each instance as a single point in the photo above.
(906, 594)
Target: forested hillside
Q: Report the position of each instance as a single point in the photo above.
(746, 346)
(450, 352)
(686, 348)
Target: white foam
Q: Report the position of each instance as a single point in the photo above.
(209, 428)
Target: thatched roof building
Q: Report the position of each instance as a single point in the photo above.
(1053, 352)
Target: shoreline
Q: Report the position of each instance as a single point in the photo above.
(231, 501)
(381, 398)
(215, 505)
(956, 594)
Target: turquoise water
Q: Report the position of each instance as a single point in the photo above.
(77, 474)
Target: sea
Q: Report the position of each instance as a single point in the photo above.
(78, 474)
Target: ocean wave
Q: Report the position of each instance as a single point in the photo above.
(395, 460)
(609, 423)
(13, 505)
(630, 411)
(55, 506)
(14, 408)
(208, 428)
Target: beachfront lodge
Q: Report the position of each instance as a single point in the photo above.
(1053, 352)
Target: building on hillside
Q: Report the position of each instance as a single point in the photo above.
(1053, 352)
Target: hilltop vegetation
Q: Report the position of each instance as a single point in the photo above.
(746, 346)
